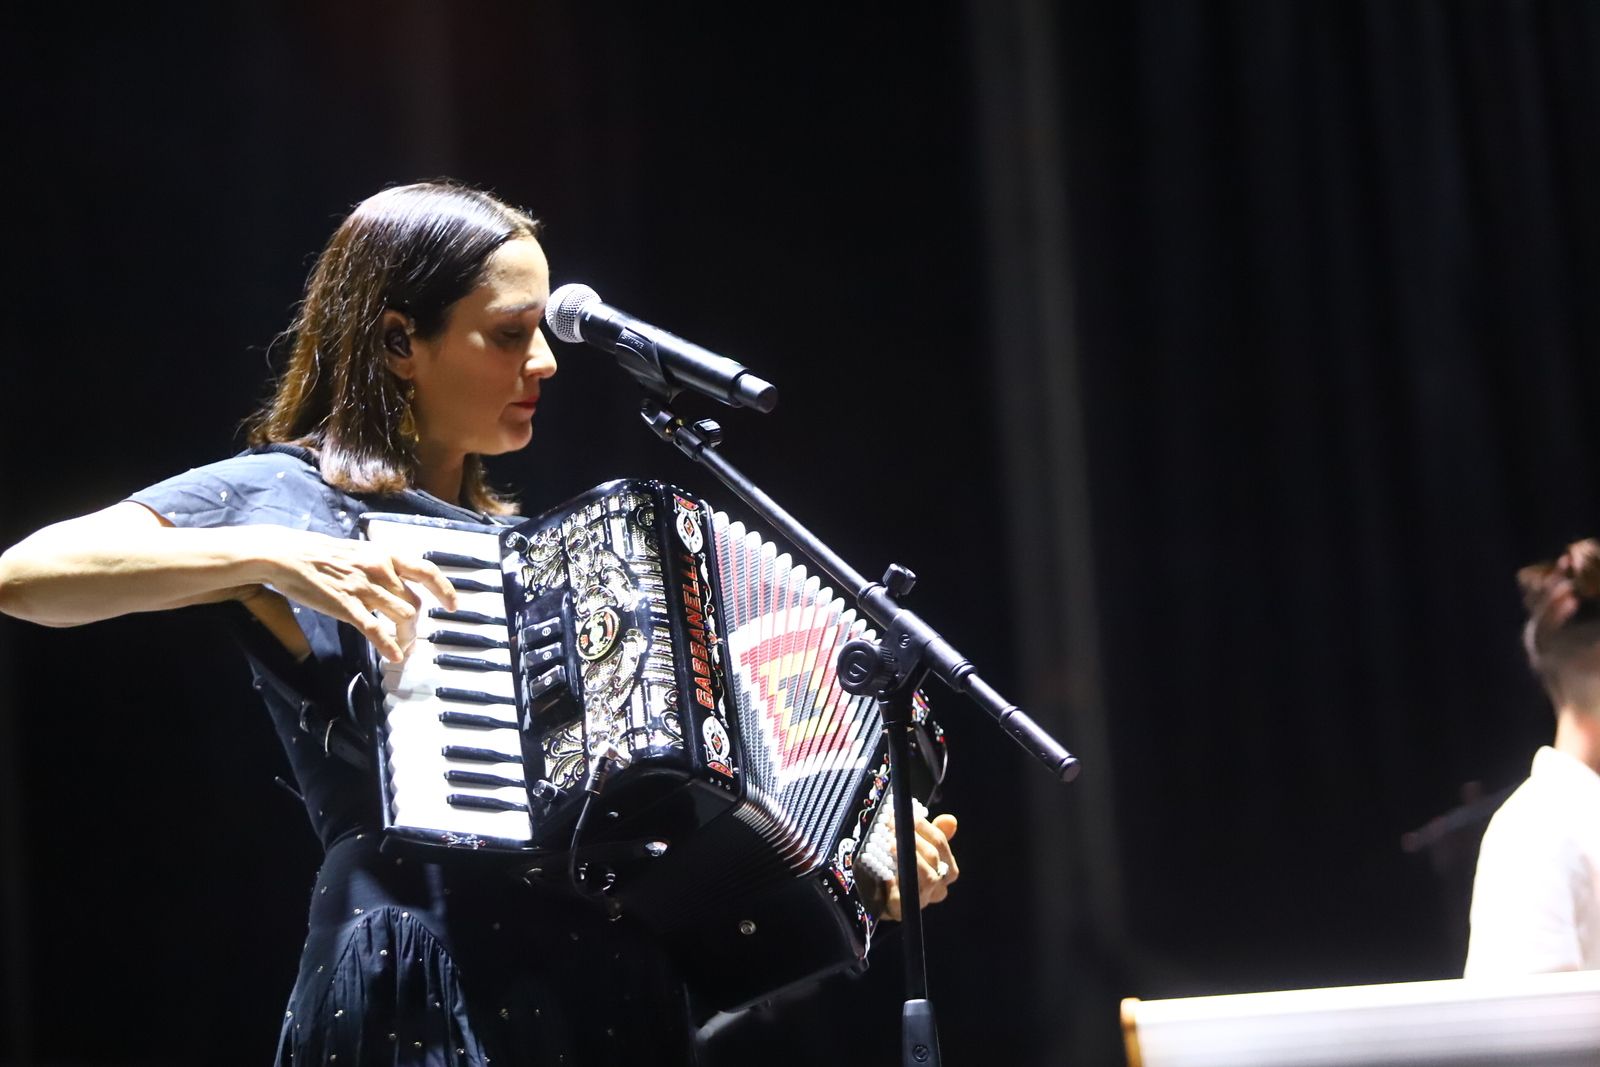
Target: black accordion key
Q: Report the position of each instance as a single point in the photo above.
(478, 755)
(477, 617)
(477, 722)
(459, 561)
(471, 696)
(457, 639)
(468, 800)
(469, 663)
(482, 778)
(470, 585)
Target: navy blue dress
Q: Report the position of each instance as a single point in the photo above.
(409, 961)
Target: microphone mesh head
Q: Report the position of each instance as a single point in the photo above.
(565, 305)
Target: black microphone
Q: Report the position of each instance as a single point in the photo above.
(662, 361)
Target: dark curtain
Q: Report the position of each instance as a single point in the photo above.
(1338, 300)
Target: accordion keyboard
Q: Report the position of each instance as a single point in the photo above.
(452, 747)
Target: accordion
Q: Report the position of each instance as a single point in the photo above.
(637, 621)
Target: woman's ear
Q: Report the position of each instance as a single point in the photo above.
(396, 329)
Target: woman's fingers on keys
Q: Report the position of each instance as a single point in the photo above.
(428, 575)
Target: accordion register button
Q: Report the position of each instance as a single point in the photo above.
(547, 681)
(534, 657)
(545, 628)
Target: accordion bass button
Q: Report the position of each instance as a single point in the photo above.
(656, 849)
(746, 927)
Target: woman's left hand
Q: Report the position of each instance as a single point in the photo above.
(936, 869)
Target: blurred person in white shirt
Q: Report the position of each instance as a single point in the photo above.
(1536, 897)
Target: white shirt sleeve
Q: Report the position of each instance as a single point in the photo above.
(1523, 897)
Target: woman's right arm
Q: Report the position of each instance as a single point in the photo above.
(129, 559)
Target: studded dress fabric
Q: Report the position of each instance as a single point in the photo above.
(410, 961)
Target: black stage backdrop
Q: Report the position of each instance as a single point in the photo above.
(1214, 365)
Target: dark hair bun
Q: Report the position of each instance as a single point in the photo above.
(1561, 591)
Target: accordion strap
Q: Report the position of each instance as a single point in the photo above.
(337, 730)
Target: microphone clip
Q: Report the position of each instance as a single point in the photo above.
(639, 355)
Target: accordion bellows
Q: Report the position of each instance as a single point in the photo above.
(636, 618)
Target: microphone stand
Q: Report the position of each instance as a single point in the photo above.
(890, 669)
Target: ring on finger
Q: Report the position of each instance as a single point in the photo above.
(942, 870)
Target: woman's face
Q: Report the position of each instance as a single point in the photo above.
(477, 382)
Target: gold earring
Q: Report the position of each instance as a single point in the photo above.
(408, 421)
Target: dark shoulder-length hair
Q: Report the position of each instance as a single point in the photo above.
(1562, 635)
(414, 248)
